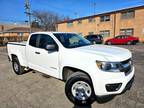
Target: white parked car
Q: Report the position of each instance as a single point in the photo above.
(89, 70)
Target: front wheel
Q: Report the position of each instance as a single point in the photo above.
(79, 89)
(109, 43)
(129, 43)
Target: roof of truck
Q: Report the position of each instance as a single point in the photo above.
(50, 32)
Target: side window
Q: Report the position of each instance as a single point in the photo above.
(94, 36)
(123, 37)
(73, 40)
(33, 40)
(118, 37)
(45, 40)
(88, 37)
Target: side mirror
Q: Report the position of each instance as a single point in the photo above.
(51, 47)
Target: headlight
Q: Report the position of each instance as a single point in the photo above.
(108, 66)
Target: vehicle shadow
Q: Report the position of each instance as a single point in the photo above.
(76, 106)
(99, 100)
(104, 99)
(42, 74)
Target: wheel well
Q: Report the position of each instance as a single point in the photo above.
(72, 70)
(13, 56)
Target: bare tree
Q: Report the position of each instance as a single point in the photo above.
(47, 20)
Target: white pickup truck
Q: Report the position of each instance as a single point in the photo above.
(89, 70)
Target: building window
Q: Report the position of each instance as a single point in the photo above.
(79, 22)
(105, 18)
(105, 33)
(127, 14)
(90, 33)
(69, 24)
(127, 31)
(90, 20)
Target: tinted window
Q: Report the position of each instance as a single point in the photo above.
(33, 40)
(88, 37)
(98, 36)
(45, 40)
(95, 36)
(70, 40)
(119, 37)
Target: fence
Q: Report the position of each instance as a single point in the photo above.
(4, 40)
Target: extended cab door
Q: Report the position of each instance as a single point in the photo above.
(41, 59)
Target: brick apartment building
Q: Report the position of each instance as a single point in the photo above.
(128, 21)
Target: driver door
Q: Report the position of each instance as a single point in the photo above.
(118, 40)
(46, 61)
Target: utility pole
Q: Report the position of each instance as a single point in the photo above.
(94, 12)
(94, 7)
(28, 13)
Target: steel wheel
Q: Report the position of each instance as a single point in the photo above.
(16, 67)
(81, 90)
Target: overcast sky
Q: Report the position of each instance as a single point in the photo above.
(13, 10)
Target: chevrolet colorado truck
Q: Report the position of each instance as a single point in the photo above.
(88, 70)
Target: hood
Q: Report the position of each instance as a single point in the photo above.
(111, 53)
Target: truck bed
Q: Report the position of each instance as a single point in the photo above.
(18, 49)
(18, 43)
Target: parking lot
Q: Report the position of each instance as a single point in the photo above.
(36, 90)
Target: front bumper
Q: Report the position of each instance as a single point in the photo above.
(103, 78)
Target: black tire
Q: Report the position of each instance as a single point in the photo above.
(129, 43)
(73, 80)
(134, 43)
(18, 69)
(109, 43)
(94, 42)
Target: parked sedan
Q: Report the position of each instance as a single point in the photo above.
(122, 39)
(95, 39)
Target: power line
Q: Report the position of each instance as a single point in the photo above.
(94, 7)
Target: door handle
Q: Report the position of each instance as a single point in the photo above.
(37, 52)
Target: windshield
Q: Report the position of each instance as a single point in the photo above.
(71, 40)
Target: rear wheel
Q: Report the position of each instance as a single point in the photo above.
(79, 89)
(134, 42)
(18, 69)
